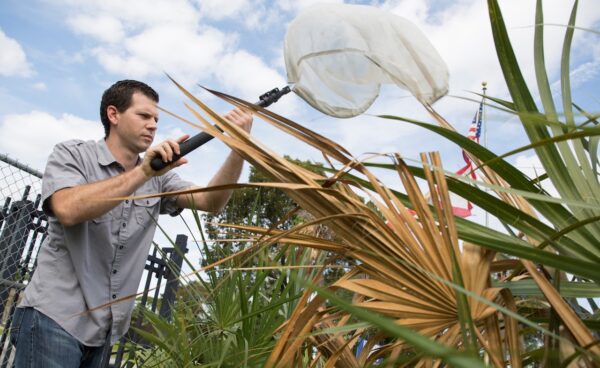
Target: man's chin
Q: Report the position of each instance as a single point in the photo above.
(143, 147)
(145, 140)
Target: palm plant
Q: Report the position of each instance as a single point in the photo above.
(420, 297)
(227, 317)
(228, 310)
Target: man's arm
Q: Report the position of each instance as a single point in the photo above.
(85, 202)
(88, 201)
(229, 173)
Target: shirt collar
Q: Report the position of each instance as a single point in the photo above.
(105, 157)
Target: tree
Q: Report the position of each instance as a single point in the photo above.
(262, 207)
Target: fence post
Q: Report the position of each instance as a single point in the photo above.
(173, 271)
(161, 268)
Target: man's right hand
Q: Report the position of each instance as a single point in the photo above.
(164, 150)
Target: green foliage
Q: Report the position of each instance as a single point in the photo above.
(268, 206)
(228, 319)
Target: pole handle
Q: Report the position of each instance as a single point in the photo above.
(198, 140)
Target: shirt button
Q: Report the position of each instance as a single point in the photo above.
(114, 271)
(124, 225)
(120, 247)
(114, 296)
(127, 201)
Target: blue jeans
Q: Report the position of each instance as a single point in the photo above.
(42, 343)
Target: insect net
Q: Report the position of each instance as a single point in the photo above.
(338, 56)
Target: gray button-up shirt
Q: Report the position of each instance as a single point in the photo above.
(95, 262)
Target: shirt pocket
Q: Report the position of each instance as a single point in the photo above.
(146, 211)
(110, 215)
(102, 219)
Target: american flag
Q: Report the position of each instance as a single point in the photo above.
(460, 206)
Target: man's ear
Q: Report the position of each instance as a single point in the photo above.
(113, 114)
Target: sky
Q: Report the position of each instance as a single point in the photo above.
(58, 56)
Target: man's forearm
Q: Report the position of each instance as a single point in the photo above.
(229, 173)
(88, 201)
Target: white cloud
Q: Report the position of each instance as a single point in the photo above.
(162, 135)
(139, 38)
(68, 58)
(118, 63)
(580, 75)
(217, 10)
(297, 5)
(262, 17)
(531, 166)
(40, 86)
(20, 132)
(13, 61)
(145, 44)
(246, 75)
(150, 45)
(254, 15)
(462, 35)
(180, 51)
(172, 36)
(102, 28)
(410, 9)
(137, 13)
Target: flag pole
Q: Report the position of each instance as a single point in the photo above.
(484, 88)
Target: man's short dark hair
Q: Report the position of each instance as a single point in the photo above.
(119, 96)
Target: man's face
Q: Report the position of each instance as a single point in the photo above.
(137, 125)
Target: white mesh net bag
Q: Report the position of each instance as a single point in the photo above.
(337, 56)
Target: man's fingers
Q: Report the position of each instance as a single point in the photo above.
(183, 138)
(233, 114)
(242, 111)
(168, 147)
(181, 161)
(173, 146)
(240, 117)
(166, 150)
(238, 113)
(160, 150)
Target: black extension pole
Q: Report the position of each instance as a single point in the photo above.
(199, 139)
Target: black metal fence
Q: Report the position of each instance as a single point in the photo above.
(23, 228)
(162, 264)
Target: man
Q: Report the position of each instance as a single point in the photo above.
(96, 248)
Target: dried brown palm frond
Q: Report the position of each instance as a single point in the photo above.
(402, 258)
(577, 329)
(397, 254)
(406, 293)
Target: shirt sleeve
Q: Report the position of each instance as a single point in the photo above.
(172, 182)
(64, 169)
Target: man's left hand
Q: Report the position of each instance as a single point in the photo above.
(241, 118)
